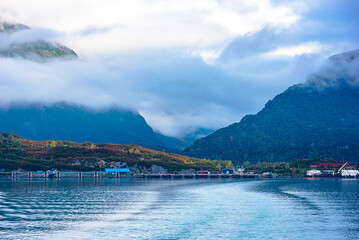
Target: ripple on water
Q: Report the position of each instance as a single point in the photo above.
(183, 209)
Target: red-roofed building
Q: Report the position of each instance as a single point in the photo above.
(331, 165)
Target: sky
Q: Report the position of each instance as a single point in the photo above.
(181, 64)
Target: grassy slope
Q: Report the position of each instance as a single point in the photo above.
(17, 152)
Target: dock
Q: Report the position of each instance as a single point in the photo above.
(103, 174)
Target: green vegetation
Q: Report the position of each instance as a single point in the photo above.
(297, 167)
(40, 51)
(17, 152)
(303, 122)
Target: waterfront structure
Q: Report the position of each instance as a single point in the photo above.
(328, 172)
(331, 165)
(313, 172)
(227, 171)
(117, 170)
(349, 173)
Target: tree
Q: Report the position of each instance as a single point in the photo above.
(229, 165)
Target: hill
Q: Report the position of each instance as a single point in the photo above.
(319, 118)
(38, 50)
(17, 152)
(76, 123)
(69, 122)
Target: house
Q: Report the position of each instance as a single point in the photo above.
(331, 165)
(227, 171)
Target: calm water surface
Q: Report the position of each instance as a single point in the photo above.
(179, 209)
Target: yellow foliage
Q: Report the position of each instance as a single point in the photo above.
(229, 165)
(52, 143)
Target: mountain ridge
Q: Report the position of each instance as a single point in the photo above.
(318, 118)
(39, 50)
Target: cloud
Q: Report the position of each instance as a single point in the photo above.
(185, 93)
(339, 70)
(25, 36)
(181, 64)
(115, 27)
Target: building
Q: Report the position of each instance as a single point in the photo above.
(331, 165)
(349, 173)
(117, 170)
(328, 172)
(313, 172)
(227, 171)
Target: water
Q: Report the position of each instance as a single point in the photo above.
(179, 209)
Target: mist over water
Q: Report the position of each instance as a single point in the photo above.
(179, 209)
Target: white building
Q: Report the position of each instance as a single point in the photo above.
(349, 173)
(313, 172)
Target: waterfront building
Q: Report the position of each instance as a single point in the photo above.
(227, 171)
(349, 173)
(117, 170)
(331, 165)
(313, 172)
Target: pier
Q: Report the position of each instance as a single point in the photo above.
(103, 174)
(197, 176)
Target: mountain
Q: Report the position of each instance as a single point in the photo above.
(173, 142)
(191, 137)
(77, 123)
(319, 118)
(64, 121)
(176, 145)
(38, 50)
(17, 152)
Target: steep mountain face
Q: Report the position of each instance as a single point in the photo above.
(34, 50)
(76, 123)
(319, 118)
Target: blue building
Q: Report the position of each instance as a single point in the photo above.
(117, 170)
(227, 171)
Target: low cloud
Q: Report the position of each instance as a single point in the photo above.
(29, 35)
(181, 64)
(180, 94)
(339, 70)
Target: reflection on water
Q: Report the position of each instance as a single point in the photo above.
(179, 209)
